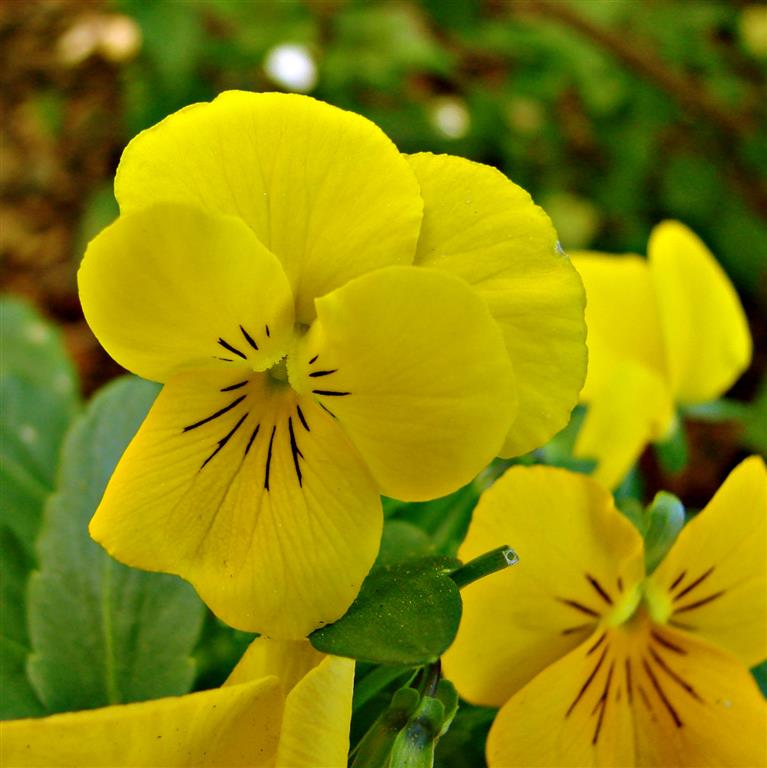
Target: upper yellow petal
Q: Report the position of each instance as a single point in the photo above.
(172, 287)
(635, 695)
(580, 564)
(707, 341)
(225, 727)
(323, 189)
(413, 366)
(713, 581)
(480, 226)
(251, 493)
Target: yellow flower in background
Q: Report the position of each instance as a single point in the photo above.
(284, 705)
(331, 320)
(665, 331)
(595, 663)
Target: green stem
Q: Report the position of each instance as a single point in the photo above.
(484, 565)
(374, 682)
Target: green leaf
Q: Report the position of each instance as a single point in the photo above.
(405, 613)
(103, 633)
(38, 393)
(38, 398)
(673, 453)
(402, 541)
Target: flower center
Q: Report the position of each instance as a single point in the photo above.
(278, 374)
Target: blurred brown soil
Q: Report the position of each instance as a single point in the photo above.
(61, 138)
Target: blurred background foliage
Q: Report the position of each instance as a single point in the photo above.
(613, 114)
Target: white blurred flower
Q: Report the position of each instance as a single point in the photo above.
(291, 65)
(450, 117)
(115, 36)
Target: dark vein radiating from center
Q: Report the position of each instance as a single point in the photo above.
(215, 415)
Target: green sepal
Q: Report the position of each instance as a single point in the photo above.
(664, 519)
(414, 745)
(406, 613)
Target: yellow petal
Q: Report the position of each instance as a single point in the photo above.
(318, 712)
(172, 287)
(632, 407)
(705, 330)
(621, 316)
(225, 727)
(318, 705)
(713, 582)
(480, 226)
(635, 695)
(580, 564)
(266, 509)
(322, 188)
(414, 368)
(289, 660)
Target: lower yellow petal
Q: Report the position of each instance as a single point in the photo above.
(414, 367)
(635, 695)
(706, 334)
(631, 407)
(318, 713)
(253, 495)
(713, 581)
(225, 727)
(480, 226)
(580, 564)
(318, 704)
(171, 287)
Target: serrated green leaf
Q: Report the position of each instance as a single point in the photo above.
(103, 633)
(38, 398)
(405, 613)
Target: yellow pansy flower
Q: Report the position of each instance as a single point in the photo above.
(284, 705)
(663, 331)
(595, 663)
(332, 320)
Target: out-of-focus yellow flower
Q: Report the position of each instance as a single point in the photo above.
(284, 705)
(331, 320)
(662, 331)
(595, 663)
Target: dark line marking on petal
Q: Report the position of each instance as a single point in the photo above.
(225, 439)
(674, 675)
(579, 628)
(330, 393)
(645, 697)
(234, 350)
(629, 690)
(620, 584)
(694, 584)
(596, 645)
(249, 339)
(266, 328)
(588, 682)
(295, 450)
(233, 386)
(325, 408)
(302, 418)
(661, 693)
(225, 359)
(252, 438)
(315, 374)
(699, 603)
(579, 607)
(682, 625)
(655, 635)
(602, 703)
(599, 588)
(676, 581)
(313, 360)
(216, 414)
(269, 458)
